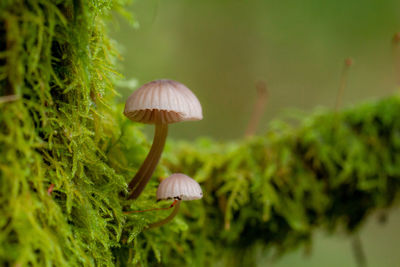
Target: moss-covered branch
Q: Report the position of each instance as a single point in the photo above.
(331, 171)
(66, 153)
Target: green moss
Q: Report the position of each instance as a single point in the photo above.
(330, 172)
(63, 129)
(58, 61)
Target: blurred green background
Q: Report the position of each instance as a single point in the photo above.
(219, 49)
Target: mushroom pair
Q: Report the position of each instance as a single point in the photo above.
(159, 102)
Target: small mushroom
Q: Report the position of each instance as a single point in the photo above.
(179, 187)
(159, 102)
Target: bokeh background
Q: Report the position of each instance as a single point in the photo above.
(220, 49)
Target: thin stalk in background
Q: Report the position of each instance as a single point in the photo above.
(258, 109)
(343, 82)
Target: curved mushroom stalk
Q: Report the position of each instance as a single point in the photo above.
(168, 219)
(142, 177)
(152, 209)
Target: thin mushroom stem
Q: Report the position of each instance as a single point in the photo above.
(258, 109)
(343, 81)
(169, 218)
(142, 177)
(8, 98)
(137, 211)
(358, 251)
(396, 56)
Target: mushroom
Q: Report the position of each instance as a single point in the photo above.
(179, 187)
(159, 102)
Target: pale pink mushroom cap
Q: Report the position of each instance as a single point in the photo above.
(163, 101)
(179, 186)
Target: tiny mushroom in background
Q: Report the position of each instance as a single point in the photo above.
(179, 187)
(159, 102)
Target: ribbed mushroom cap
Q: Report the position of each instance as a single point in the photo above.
(179, 186)
(163, 101)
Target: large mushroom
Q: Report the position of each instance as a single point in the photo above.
(159, 102)
(179, 187)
